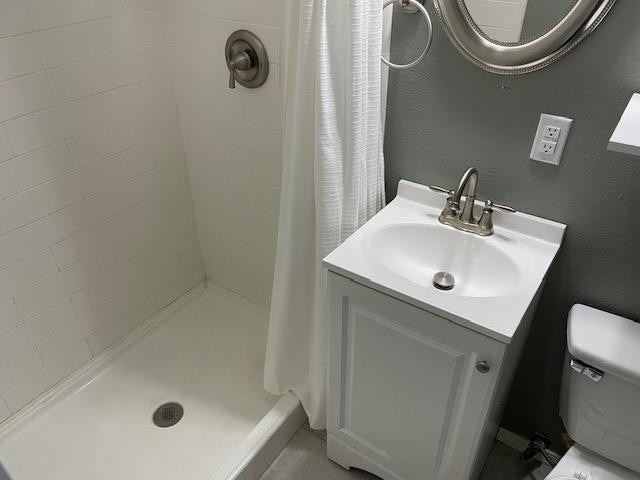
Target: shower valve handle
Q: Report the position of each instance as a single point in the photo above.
(240, 61)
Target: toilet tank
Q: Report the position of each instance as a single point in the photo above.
(600, 397)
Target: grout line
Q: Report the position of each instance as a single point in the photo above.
(79, 99)
(212, 51)
(173, 10)
(73, 24)
(66, 139)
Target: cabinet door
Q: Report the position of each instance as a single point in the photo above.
(404, 390)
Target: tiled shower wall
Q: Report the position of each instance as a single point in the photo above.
(232, 139)
(502, 20)
(97, 230)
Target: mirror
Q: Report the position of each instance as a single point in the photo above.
(517, 20)
(519, 36)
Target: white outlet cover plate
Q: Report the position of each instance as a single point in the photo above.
(546, 120)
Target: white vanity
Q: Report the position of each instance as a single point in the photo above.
(418, 376)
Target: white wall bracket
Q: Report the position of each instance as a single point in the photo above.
(626, 136)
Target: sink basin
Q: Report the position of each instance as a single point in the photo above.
(497, 278)
(417, 252)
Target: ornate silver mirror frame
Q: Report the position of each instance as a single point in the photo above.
(518, 58)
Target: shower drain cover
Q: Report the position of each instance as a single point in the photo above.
(168, 414)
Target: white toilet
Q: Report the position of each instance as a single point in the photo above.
(600, 398)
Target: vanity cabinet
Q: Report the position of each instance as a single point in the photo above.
(412, 395)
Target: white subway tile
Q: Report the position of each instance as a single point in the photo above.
(235, 265)
(171, 205)
(210, 66)
(47, 377)
(129, 193)
(19, 368)
(197, 31)
(24, 95)
(59, 285)
(15, 212)
(209, 95)
(265, 13)
(207, 153)
(501, 34)
(35, 329)
(267, 218)
(61, 340)
(151, 244)
(262, 110)
(120, 301)
(6, 151)
(20, 173)
(53, 318)
(77, 185)
(103, 73)
(108, 285)
(4, 410)
(25, 274)
(92, 239)
(151, 154)
(48, 13)
(118, 328)
(19, 55)
(73, 43)
(231, 130)
(186, 259)
(63, 121)
(15, 17)
(208, 32)
(198, 63)
(9, 316)
(97, 144)
(181, 283)
(136, 5)
(497, 13)
(42, 233)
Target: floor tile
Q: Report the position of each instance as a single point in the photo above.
(305, 457)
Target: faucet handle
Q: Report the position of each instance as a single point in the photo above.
(505, 208)
(451, 208)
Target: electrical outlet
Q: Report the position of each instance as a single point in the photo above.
(551, 138)
(548, 148)
(552, 133)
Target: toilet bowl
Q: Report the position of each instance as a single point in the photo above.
(600, 397)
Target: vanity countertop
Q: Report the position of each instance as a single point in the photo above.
(400, 249)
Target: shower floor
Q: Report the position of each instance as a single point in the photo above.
(207, 355)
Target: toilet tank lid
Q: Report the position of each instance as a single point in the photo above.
(605, 341)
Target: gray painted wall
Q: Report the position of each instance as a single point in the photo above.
(446, 114)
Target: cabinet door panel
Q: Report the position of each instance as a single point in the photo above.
(403, 388)
(399, 387)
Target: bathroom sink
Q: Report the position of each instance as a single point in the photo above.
(416, 252)
(495, 278)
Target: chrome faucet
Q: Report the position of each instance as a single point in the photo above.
(466, 220)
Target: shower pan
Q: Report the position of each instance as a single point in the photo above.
(205, 353)
(139, 199)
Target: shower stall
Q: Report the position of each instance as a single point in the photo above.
(139, 201)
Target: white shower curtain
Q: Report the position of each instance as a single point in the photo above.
(333, 179)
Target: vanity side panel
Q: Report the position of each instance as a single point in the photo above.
(513, 353)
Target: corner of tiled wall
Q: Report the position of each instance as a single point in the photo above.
(97, 231)
(232, 139)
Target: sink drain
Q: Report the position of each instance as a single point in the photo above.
(444, 281)
(168, 414)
